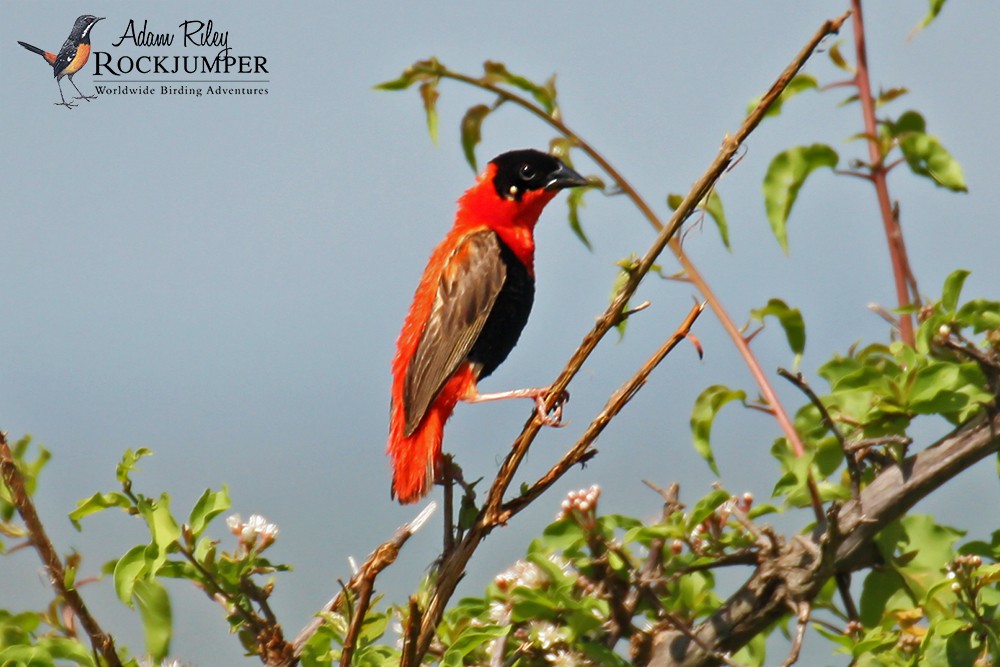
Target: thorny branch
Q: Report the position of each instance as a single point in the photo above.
(494, 513)
(101, 641)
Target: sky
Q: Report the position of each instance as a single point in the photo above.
(222, 278)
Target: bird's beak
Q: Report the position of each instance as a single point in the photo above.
(564, 177)
(99, 18)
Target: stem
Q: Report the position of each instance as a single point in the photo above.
(901, 272)
(100, 640)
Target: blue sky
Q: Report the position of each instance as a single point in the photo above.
(221, 279)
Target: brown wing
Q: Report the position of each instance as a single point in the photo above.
(469, 285)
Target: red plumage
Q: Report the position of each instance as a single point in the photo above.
(468, 309)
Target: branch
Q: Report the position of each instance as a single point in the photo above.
(901, 271)
(803, 566)
(453, 564)
(849, 457)
(100, 640)
(581, 450)
(362, 585)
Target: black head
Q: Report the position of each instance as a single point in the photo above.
(529, 170)
(81, 29)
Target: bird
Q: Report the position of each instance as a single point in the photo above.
(468, 311)
(72, 56)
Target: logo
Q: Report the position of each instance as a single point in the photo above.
(71, 58)
(195, 59)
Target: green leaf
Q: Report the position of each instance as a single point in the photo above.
(472, 123)
(705, 507)
(712, 204)
(879, 587)
(209, 505)
(471, 638)
(798, 84)
(886, 96)
(97, 503)
(163, 526)
(791, 321)
(429, 94)
(952, 289)
(706, 406)
(128, 569)
(785, 177)
(935, 8)
(909, 121)
(422, 70)
(562, 535)
(574, 200)
(129, 461)
(980, 314)
(838, 58)
(496, 72)
(157, 620)
(927, 157)
(62, 648)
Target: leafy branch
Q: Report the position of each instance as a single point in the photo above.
(61, 580)
(492, 514)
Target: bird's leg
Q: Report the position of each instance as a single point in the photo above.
(538, 394)
(449, 504)
(82, 96)
(64, 103)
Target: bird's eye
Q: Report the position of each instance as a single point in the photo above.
(527, 172)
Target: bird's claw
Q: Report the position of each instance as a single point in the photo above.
(554, 416)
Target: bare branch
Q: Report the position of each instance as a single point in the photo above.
(362, 583)
(902, 273)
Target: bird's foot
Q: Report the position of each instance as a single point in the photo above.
(68, 105)
(85, 97)
(554, 416)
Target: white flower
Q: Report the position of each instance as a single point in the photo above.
(522, 573)
(498, 612)
(166, 662)
(545, 634)
(257, 533)
(562, 658)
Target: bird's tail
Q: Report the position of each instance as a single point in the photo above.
(416, 458)
(49, 57)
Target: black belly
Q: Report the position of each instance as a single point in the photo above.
(508, 317)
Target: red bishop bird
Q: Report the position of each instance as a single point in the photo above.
(469, 310)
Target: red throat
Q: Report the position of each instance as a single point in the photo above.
(512, 219)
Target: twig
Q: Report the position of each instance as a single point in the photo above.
(384, 556)
(101, 642)
(852, 462)
(804, 610)
(902, 273)
(618, 400)
(453, 566)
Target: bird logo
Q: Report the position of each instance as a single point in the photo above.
(468, 311)
(72, 56)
